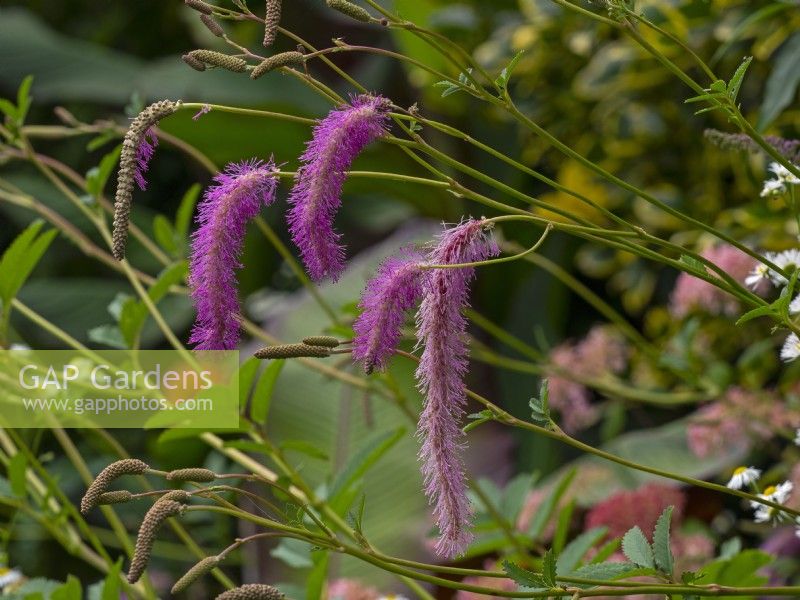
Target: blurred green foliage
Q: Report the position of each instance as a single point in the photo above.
(577, 78)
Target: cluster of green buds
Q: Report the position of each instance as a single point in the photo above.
(319, 346)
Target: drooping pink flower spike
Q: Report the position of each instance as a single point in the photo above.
(237, 195)
(441, 328)
(316, 197)
(395, 289)
(144, 154)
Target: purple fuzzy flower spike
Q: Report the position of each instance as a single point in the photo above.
(144, 153)
(441, 329)
(316, 197)
(237, 196)
(395, 289)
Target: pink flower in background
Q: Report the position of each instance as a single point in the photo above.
(441, 328)
(692, 293)
(316, 196)
(739, 418)
(351, 589)
(691, 550)
(602, 351)
(641, 507)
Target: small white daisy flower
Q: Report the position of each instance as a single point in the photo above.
(791, 348)
(757, 276)
(764, 514)
(794, 305)
(783, 177)
(783, 174)
(9, 577)
(797, 438)
(773, 187)
(743, 476)
(788, 260)
(775, 493)
(782, 492)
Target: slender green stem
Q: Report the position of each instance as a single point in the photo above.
(496, 261)
(248, 112)
(533, 126)
(557, 434)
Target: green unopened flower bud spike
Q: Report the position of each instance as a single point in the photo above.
(321, 340)
(196, 572)
(293, 351)
(155, 517)
(212, 25)
(138, 148)
(284, 59)
(128, 466)
(197, 475)
(200, 6)
(193, 62)
(218, 59)
(272, 19)
(351, 10)
(116, 497)
(252, 591)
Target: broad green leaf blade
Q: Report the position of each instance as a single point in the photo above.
(247, 375)
(71, 590)
(171, 275)
(761, 311)
(8, 109)
(523, 577)
(661, 542)
(21, 257)
(549, 568)
(637, 549)
(293, 553)
(571, 556)
(112, 584)
(562, 526)
(24, 99)
(183, 217)
(542, 516)
(164, 234)
(17, 467)
(262, 394)
(97, 177)
(693, 263)
(305, 447)
(736, 80)
(604, 572)
(782, 83)
(372, 450)
(315, 582)
(515, 493)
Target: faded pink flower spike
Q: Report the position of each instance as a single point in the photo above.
(237, 196)
(316, 197)
(395, 289)
(441, 329)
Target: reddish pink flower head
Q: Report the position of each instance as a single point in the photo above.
(237, 195)
(393, 291)
(316, 197)
(641, 507)
(441, 328)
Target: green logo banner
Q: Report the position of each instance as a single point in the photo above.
(119, 389)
